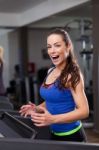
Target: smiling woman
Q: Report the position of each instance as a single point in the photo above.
(63, 91)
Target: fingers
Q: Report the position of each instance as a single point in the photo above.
(28, 105)
(28, 113)
(38, 118)
(37, 113)
(25, 109)
(24, 106)
(41, 119)
(39, 124)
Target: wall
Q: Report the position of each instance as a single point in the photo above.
(13, 51)
(36, 42)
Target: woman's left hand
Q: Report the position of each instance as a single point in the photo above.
(41, 117)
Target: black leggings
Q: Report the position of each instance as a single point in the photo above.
(79, 136)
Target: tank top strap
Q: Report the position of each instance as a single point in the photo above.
(48, 72)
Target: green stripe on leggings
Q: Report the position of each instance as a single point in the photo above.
(69, 132)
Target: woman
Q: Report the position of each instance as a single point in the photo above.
(2, 88)
(63, 91)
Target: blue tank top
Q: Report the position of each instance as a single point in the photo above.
(59, 102)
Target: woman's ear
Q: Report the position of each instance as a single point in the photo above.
(68, 47)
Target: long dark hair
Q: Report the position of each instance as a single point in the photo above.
(71, 67)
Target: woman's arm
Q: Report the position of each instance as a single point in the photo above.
(82, 108)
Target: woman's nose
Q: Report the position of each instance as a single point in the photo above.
(52, 50)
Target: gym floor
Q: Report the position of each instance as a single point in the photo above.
(88, 124)
(92, 136)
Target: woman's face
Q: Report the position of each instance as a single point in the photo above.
(57, 49)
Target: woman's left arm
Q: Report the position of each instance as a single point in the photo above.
(82, 108)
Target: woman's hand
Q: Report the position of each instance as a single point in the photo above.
(27, 109)
(41, 117)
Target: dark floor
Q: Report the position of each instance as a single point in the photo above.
(88, 124)
(92, 136)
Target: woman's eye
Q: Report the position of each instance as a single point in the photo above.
(57, 45)
(48, 47)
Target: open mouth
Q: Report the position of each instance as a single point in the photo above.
(54, 58)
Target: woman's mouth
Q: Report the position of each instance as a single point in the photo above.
(55, 58)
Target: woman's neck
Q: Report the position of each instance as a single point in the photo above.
(60, 67)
